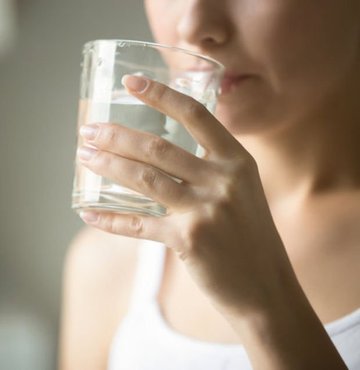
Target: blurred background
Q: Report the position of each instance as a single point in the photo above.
(40, 54)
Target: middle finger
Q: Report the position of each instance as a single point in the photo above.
(148, 148)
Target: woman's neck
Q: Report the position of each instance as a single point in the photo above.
(315, 156)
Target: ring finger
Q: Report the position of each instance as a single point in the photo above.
(137, 176)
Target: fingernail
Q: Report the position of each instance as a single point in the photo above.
(89, 132)
(89, 217)
(85, 153)
(135, 83)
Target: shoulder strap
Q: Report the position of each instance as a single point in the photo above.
(149, 272)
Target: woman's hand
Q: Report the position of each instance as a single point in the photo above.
(218, 220)
(219, 224)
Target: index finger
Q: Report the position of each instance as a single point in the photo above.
(200, 123)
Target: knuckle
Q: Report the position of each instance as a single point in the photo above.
(222, 208)
(148, 177)
(226, 191)
(194, 111)
(157, 91)
(237, 180)
(114, 225)
(102, 160)
(133, 227)
(109, 223)
(157, 147)
(136, 226)
(109, 136)
(96, 159)
(244, 166)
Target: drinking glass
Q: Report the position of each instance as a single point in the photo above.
(103, 99)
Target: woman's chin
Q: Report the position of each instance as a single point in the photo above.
(238, 120)
(251, 115)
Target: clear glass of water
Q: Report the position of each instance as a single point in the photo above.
(103, 99)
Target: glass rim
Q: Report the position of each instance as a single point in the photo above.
(206, 58)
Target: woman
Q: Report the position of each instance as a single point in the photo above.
(262, 238)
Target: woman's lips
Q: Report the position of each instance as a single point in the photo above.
(229, 82)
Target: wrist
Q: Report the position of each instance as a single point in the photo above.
(283, 332)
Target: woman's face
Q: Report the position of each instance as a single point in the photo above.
(284, 58)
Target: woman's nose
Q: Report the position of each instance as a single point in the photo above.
(203, 23)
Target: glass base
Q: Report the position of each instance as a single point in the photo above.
(117, 203)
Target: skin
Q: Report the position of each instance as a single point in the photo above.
(282, 144)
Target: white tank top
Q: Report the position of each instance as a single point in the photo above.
(144, 341)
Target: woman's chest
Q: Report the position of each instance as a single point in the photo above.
(186, 309)
(328, 275)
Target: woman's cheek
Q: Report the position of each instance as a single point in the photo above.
(162, 16)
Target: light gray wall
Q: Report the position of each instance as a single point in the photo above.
(39, 85)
